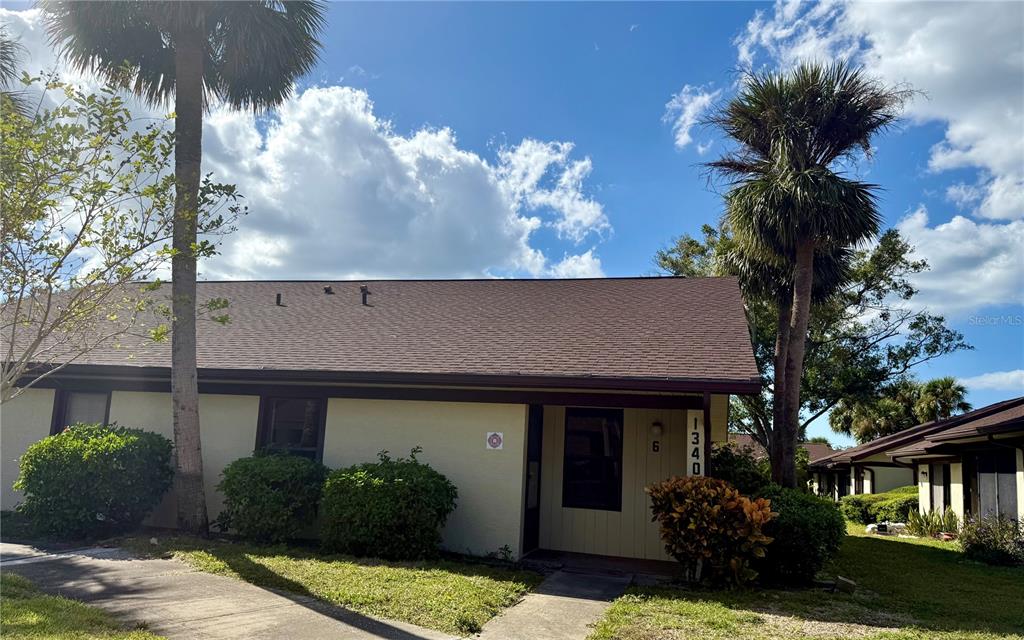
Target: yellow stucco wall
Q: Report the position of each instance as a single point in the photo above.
(628, 532)
(227, 426)
(453, 436)
(888, 478)
(23, 421)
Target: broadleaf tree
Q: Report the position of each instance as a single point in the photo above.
(88, 209)
(245, 54)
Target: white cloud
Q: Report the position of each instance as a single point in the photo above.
(333, 191)
(1012, 381)
(684, 111)
(968, 59)
(973, 264)
(584, 265)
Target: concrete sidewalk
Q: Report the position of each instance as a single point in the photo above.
(173, 600)
(564, 607)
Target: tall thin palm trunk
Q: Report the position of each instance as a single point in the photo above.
(803, 280)
(784, 301)
(188, 150)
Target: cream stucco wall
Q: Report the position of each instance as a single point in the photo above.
(1020, 485)
(924, 489)
(453, 436)
(889, 478)
(956, 489)
(227, 426)
(628, 532)
(23, 421)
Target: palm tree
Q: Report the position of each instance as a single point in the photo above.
(11, 52)
(789, 197)
(246, 54)
(941, 398)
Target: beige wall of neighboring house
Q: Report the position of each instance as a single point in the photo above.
(924, 489)
(628, 532)
(1020, 484)
(956, 489)
(453, 436)
(227, 426)
(889, 478)
(23, 420)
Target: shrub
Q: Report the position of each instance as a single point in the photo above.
(807, 532)
(92, 480)
(739, 468)
(393, 508)
(712, 530)
(855, 508)
(893, 508)
(993, 540)
(270, 497)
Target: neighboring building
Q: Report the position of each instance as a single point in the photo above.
(973, 463)
(865, 468)
(746, 442)
(550, 404)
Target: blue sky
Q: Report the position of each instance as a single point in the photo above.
(534, 140)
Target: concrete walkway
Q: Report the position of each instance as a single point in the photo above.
(175, 601)
(564, 607)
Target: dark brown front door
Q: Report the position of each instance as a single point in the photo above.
(531, 517)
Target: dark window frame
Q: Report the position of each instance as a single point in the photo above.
(58, 418)
(264, 429)
(568, 501)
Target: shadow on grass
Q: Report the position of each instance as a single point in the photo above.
(901, 585)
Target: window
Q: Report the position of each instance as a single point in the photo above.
(940, 481)
(293, 425)
(592, 469)
(72, 407)
(997, 483)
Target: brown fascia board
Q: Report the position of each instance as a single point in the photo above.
(1016, 424)
(662, 385)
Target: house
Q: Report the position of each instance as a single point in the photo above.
(746, 442)
(865, 468)
(973, 463)
(550, 404)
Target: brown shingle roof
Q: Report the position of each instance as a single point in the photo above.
(1000, 417)
(746, 441)
(662, 329)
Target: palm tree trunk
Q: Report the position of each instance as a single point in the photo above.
(803, 280)
(784, 300)
(188, 150)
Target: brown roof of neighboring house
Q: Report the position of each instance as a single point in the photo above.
(917, 439)
(1000, 417)
(746, 441)
(664, 333)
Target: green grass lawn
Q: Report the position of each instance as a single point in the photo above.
(26, 612)
(450, 596)
(908, 589)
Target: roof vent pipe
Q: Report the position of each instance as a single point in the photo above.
(329, 290)
(365, 291)
(278, 301)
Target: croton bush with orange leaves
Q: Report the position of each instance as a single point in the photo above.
(710, 528)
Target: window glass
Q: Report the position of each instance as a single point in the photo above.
(293, 425)
(87, 408)
(592, 468)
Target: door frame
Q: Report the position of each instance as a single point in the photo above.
(534, 446)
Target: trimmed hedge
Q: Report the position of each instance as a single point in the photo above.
(94, 480)
(892, 506)
(270, 497)
(393, 508)
(807, 532)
